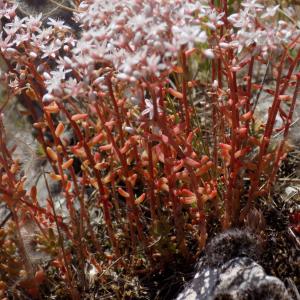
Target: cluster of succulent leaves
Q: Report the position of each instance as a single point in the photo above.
(11, 264)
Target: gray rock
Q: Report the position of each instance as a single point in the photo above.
(4, 214)
(57, 9)
(220, 275)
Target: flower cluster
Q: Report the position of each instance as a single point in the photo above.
(139, 38)
(136, 40)
(133, 40)
(259, 26)
(24, 41)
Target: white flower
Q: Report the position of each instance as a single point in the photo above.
(150, 108)
(58, 24)
(154, 65)
(252, 4)
(51, 50)
(21, 38)
(54, 82)
(33, 23)
(271, 11)
(13, 27)
(188, 35)
(5, 43)
(44, 34)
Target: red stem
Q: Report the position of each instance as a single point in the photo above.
(184, 91)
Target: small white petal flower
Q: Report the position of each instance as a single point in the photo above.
(150, 108)
(59, 24)
(271, 11)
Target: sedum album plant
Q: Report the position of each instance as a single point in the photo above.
(118, 99)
